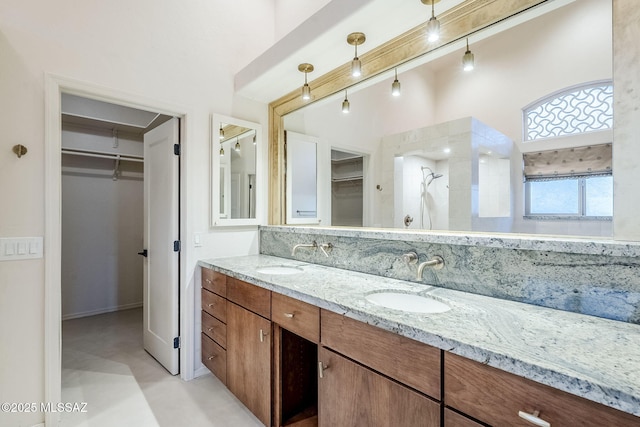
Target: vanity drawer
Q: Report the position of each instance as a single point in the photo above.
(296, 316)
(214, 305)
(214, 358)
(495, 397)
(453, 419)
(214, 329)
(214, 282)
(405, 360)
(249, 296)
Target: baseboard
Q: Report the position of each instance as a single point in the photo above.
(201, 371)
(101, 311)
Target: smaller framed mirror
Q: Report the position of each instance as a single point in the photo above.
(238, 179)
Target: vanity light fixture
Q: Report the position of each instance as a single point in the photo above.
(221, 133)
(345, 103)
(468, 62)
(237, 147)
(306, 90)
(395, 86)
(354, 39)
(433, 26)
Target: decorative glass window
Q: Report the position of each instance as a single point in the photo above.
(579, 109)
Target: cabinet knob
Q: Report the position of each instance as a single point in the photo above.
(208, 281)
(262, 335)
(321, 369)
(209, 305)
(534, 419)
(289, 315)
(210, 329)
(211, 357)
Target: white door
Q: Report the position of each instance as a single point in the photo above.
(161, 240)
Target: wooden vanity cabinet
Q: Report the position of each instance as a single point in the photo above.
(249, 338)
(214, 328)
(372, 377)
(495, 397)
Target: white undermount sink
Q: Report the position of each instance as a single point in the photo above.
(407, 302)
(279, 269)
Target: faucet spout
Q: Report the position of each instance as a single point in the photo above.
(437, 262)
(313, 245)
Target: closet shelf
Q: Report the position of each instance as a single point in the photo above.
(103, 155)
(347, 178)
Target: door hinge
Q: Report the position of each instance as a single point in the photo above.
(176, 246)
(176, 342)
(176, 149)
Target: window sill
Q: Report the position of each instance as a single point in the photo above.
(566, 218)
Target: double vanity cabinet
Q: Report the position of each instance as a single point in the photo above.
(294, 364)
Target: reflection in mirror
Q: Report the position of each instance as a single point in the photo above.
(236, 154)
(447, 154)
(302, 182)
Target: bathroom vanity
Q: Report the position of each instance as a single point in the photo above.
(300, 345)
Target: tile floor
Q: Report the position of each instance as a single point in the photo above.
(104, 364)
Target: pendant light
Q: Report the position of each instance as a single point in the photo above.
(354, 39)
(345, 104)
(221, 133)
(468, 62)
(221, 151)
(433, 26)
(395, 86)
(237, 147)
(306, 90)
(255, 132)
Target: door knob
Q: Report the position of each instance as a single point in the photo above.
(144, 253)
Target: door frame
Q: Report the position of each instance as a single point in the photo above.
(54, 86)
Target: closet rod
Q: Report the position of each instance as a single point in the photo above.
(104, 156)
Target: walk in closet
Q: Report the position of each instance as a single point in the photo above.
(346, 188)
(102, 205)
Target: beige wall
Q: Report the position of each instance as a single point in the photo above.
(173, 55)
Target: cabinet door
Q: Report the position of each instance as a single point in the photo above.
(249, 360)
(351, 395)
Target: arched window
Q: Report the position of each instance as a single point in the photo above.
(579, 109)
(575, 180)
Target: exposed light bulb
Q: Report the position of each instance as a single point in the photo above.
(221, 132)
(345, 104)
(433, 26)
(237, 147)
(468, 62)
(221, 152)
(395, 86)
(356, 67)
(306, 92)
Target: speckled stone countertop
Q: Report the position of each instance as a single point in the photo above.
(594, 358)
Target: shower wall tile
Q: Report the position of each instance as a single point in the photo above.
(583, 276)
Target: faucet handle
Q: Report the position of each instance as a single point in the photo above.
(326, 248)
(410, 258)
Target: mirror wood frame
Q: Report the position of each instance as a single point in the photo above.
(455, 23)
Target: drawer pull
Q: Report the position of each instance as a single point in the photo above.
(321, 369)
(534, 419)
(211, 357)
(208, 281)
(262, 335)
(209, 305)
(289, 315)
(210, 329)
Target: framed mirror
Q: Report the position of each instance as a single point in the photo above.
(238, 180)
(433, 162)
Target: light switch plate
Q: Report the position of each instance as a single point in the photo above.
(19, 248)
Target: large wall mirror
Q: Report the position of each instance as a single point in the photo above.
(449, 152)
(238, 181)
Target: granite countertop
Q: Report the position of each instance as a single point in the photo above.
(591, 357)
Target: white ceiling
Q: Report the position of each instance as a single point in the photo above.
(322, 41)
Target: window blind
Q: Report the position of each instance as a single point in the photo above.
(568, 162)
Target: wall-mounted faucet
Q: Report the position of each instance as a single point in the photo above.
(437, 263)
(313, 245)
(326, 248)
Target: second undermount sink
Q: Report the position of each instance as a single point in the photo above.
(279, 269)
(407, 302)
